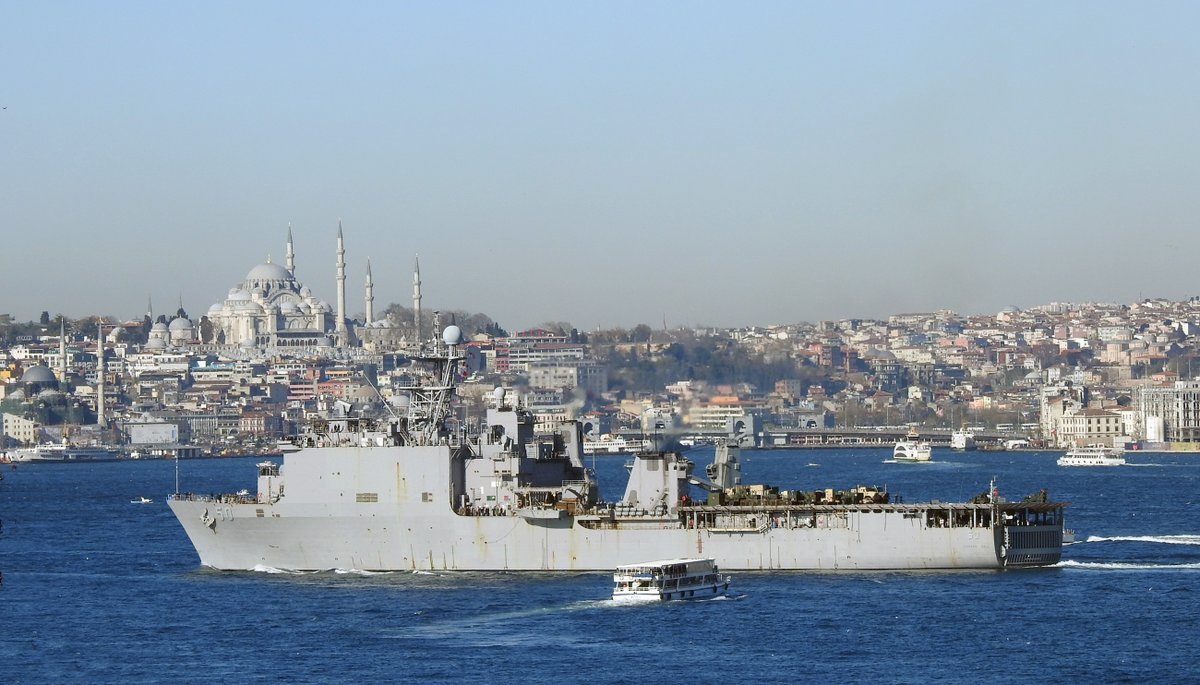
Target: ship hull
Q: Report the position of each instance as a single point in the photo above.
(388, 509)
(317, 537)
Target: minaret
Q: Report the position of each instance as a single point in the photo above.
(100, 420)
(417, 298)
(291, 254)
(343, 339)
(370, 294)
(62, 351)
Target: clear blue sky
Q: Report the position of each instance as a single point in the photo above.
(606, 163)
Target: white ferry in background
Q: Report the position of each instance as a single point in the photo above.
(1093, 455)
(50, 453)
(669, 579)
(911, 449)
(612, 444)
(962, 440)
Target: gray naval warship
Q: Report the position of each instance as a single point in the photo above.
(414, 491)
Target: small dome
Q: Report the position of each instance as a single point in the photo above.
(156, 344)
(49, 394)
(38, 374)
(248, 306)
(324, 341)
(160, 326)
(238, 294)
(288, 307)
(268, 272)
(180, 324)
(248, 342)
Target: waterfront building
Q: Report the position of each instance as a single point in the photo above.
(19, 429)
(1171, 414)
(1092, 426)
(1057, 401)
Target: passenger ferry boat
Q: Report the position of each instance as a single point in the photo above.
(610, 444)
(962, 440)
(1093, 455)
(911, 449)
(64, 453)
(669, 579)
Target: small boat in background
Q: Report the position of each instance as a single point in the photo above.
(669, 579)
(912, 449)
(141, 500)
(962, 440)
(1093, 455)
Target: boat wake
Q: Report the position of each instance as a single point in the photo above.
(1163, 539)
(260, 568)
(1125, 566)
(637, 602)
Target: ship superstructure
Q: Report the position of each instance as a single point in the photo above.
(414, 491)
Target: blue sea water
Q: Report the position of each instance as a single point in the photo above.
(96, 589)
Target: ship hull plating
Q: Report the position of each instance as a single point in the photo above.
(381, 509)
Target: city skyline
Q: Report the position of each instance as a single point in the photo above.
(603, 165)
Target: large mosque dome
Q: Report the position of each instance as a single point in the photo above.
(38, 374)
(269, 272)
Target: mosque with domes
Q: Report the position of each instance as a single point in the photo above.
(271, 308)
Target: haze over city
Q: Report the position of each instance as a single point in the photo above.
(604, 164)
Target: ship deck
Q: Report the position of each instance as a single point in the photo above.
(1036, 507)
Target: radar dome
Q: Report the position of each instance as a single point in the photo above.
(452, 335)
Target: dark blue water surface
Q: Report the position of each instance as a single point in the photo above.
(96, 589)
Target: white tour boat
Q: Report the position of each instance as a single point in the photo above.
(1093, 455)
(962, 440)
(64, 453)
(612, 444)
(910, 449)
(669, 579)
